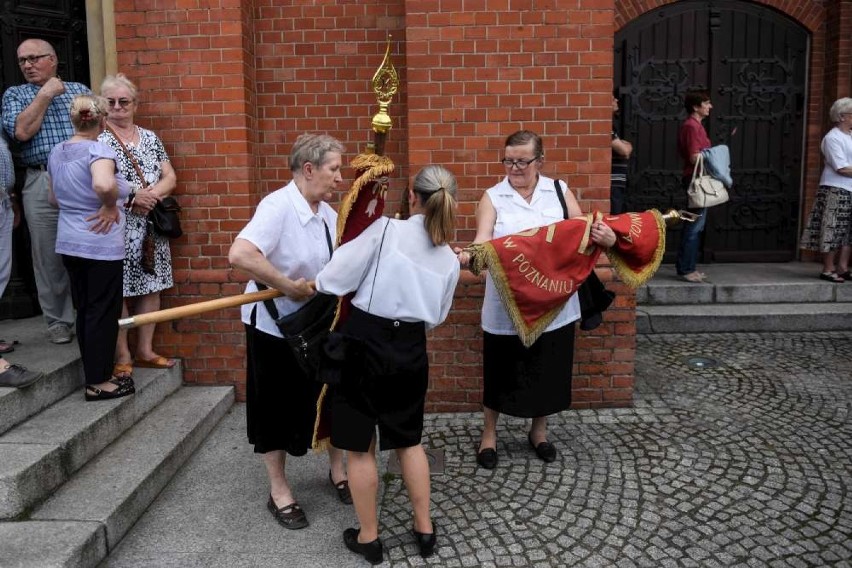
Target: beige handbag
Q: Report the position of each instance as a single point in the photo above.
(705, 190)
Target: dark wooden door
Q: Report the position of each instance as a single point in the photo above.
(753, 62)
(63, 24)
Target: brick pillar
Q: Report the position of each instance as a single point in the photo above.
(196, 81)
(477, 70)
(838, 59)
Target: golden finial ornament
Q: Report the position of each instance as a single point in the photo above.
(673, 216)
(385, 85)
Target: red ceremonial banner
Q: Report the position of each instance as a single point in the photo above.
(363, 204)
(536, 271)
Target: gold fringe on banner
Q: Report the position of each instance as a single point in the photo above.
(483, 256)
(626, 273)
(374, 167)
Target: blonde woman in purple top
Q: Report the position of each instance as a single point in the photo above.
(90, 239)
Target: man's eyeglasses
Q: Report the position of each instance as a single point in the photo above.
(31, 59)
(121, 102)
(520, 164)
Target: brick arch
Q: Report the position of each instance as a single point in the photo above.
(809, 13)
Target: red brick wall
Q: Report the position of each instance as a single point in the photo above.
(229, 84)
(478, 71)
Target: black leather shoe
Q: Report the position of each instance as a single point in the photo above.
(487, 458)
(371, 551)
(342, 489)
(426, 541)
(545, 451)
(290, 517)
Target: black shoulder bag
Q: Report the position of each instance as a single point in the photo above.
(306, 329)
(593, 295)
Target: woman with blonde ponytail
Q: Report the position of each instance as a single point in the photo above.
(90, 239)
(403, 274)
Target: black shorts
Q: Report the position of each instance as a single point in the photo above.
(384, 384)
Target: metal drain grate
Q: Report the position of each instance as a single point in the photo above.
(701, 362)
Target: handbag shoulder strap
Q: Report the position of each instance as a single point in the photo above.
(561, 197)
(270, 304)
(376, 272)
(127, 153)
(698, 168)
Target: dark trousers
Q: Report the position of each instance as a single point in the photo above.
(97, 295)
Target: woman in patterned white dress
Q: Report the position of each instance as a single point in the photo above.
(141, 288)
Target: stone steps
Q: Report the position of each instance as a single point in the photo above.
(76, 475)
(744, 297)
(41, 453)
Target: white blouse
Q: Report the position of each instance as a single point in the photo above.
(292, 237)
(837, 153)
(413, 280)
(514, 215)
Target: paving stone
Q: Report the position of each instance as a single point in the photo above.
(745, 464)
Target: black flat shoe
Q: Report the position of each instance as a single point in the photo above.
(342, 488)
(426, 541)
(487, 458)
(290, 517)
(125, 381)
(371, 551)
(545, 451)
(94, 393)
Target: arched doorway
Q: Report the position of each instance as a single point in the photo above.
(62, 23)
(753, 61)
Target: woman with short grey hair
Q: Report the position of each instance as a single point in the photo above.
(285, 244)
(829, 227)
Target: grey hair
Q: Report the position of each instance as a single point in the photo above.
(313, 148)
(120, 80)
(436, 187)
(840, 106)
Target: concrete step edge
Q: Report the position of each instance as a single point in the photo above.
(42, 452)
(116, 487)
(16, 405)
(720, 318)
(37, 544)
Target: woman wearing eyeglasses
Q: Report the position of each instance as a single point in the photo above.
(142, 287)
(529, 382)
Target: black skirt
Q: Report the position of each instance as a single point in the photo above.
(281, 400)
(384, 384)
(528, 382)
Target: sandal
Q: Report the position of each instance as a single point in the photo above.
(290, 517)
(94, 393)
(845, 275)
(122, 370)
(124, 381)
(7, 346)
(832, 277)
(158, 362)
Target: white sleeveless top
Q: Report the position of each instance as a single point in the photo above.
(514, 214)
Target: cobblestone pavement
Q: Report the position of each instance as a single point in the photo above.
(747, 463)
